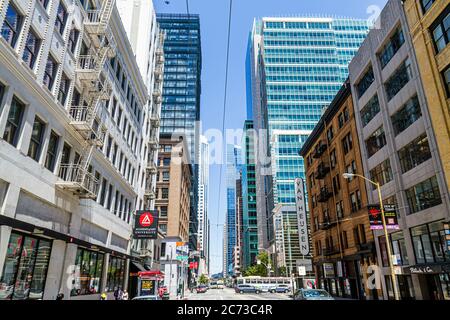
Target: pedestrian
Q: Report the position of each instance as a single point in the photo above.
(103, 296)
(118, 294)
(60, 296)
(125, 295)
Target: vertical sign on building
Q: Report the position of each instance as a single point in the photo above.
(301, 217)
(146, 224)
(447, 238)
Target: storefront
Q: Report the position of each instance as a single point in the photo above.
(25, 268)
(434, 280)
(28, 259)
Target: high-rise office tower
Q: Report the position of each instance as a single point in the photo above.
(250, 224)
(203, 194)
(295, 66)
(233, 163)
(181, 91)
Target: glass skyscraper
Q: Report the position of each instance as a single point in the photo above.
(180, 108)
(234, 167)
(295, 66)
(250, 224)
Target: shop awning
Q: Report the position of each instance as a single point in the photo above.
(138, 266)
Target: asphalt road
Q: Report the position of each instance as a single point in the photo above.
(229, 294)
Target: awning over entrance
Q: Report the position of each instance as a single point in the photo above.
(138, 266)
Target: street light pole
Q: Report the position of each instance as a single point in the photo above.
(386, 234)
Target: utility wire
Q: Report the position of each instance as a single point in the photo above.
(225, 103)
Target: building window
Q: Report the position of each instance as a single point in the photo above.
(376, 141)
(429, 243)
(340, 209)
(446, 75)
(391, 48)
(37, 134)
(333, 158)
(347, 143)
(163, 228)
(13, 122)
(414, 153)
(398, 80)
(31, 50)
(50, 72)
(370, 110)
(406, 115)
(423, 195)
(61, 18)
(382, 173)
(353, 202)
(344, 240)
(399, 248)
(336, 184)
(44, 3)
(365, 82)
(163, 211)
(63, 89)
(25, 268)
(103, 192)
(73, 40)
(12, 25)
(166, 176)
(90, 266)
(441, 30)
(65, 160)
(330, 134)
(164, 193)
(116, 274)
(50, 160)
(426, 4)
(341, 120)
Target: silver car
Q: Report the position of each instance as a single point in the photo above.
(312, 294)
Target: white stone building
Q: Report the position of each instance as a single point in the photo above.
(75, 132)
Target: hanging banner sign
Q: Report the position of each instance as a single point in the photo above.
(146, 224)
(301, 217)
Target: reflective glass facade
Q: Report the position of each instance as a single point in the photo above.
(180, 107)
(250, 228)
(234, 168)
(303, 63)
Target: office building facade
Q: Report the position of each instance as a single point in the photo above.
(72, 114)
(343, 244)
(296, 67)
(180, 111)
(400, 152)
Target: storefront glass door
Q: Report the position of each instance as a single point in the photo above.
(25, 269)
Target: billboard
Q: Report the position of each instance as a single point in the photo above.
(146, 224)
(301, 217)
(376, 219)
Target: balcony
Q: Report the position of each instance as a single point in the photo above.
(330, 251)
(88, 67)
(87, 124)
(154, 142)
(98, 19)
(327, 223)
(366, 247)
(324, 195)
(151, 166)
(75, 178)
(150, 193)
(159, 71)
(322, 170)
(155, 121)
(320, 149)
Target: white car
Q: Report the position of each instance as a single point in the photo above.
(147, 298)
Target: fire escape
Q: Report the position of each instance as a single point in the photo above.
(87, 117)
(151, 170)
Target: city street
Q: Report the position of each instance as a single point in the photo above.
(229, 294)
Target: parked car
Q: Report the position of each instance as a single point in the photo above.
(147, 298)
(201, 289)
(280, 288)
(246, 288)
(312, 294)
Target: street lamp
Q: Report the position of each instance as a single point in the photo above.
(388, 243)
(268, 266)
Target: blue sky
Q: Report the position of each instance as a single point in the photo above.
(214, 26)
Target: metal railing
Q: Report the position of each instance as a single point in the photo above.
(79, 177)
